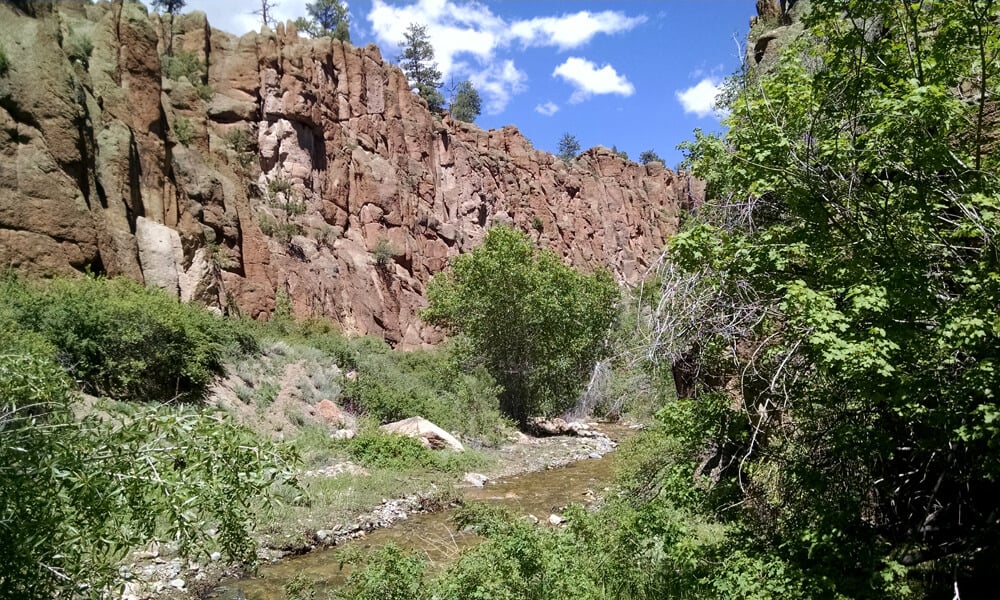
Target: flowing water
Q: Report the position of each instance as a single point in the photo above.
(435, 535)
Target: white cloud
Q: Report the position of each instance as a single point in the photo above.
(467, 35)
(571, 30)
(548, 109)
(453, 29)
(589, 80)
(499, 83)
(700, 98)
(236, 16)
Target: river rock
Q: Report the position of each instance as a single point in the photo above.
(429, 434)
(333, 414)
(343, 434)
(555, 519)
(475, 479)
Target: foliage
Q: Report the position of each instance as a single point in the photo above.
(466, 104)
(183, 64)
(79, 47)
(649, 156)
(383, 253)
(300, 587)
(437, 385)
(240, 142)
(389, 573)
(536, 325)
(75, 496)
(569, 147)
(417, 61)
(171, 7)
(397, 452)
(327, 18)
(122, 340)
(852, 243)
(620, 153)
(183, 131)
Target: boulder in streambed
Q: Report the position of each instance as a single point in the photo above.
(429, 434)
(475, 479)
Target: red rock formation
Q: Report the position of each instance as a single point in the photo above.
(350, 197)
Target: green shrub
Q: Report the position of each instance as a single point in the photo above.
(240, 142)
(434, 384)
(390, 573)
(383, 253)
(183, 131)
(300, 587)
(266, 394)
(77, 495)
(183, 64)
(120, 339)
(79, 47)
(294, 208)
(396, 452)
(279, 185)
(204, 90)
(267, 224)
(283, 232)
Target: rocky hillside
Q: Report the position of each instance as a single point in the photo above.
(247, 167)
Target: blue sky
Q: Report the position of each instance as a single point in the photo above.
(638, 75)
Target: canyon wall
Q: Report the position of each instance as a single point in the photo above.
(288, 165)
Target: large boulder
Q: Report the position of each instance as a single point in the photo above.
(429, 434)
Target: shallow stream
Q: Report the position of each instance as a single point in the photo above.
(541, 493)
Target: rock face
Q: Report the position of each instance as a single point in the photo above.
(304, 167)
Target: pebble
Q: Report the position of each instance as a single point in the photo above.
(177, 584)
(555, 519)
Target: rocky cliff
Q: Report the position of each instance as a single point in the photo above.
(247, 167)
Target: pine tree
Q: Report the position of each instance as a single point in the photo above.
(569, 147)
(417, 61)
(327, 18)
(649, 156)
(466, 104)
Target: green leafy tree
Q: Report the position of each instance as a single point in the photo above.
(537, 325)
(569, 147)
(417, 61)
(466, 104)
(327, 18)
(649, 156)
(849, 249)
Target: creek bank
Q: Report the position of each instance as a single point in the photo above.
(154, 575)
